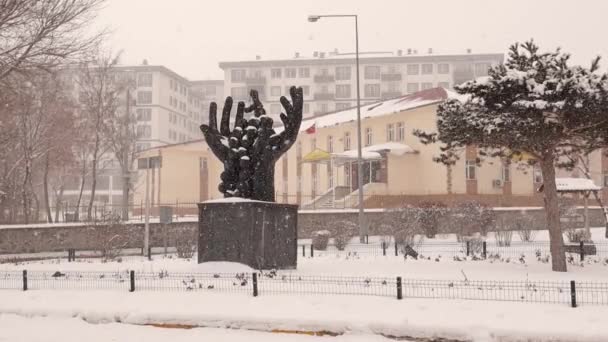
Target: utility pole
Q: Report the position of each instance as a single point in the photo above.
(125, 159)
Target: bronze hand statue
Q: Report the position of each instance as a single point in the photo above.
(251, 149)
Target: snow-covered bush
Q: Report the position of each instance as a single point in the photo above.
(503, 237)
(575, 235)
(320, 239)
(107, 239)
(343, 233)
(403, 224)
(525, 227)
(430, 216)
(472, 217)
(185, 243)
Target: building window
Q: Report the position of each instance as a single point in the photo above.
(346, 141)
(343, 91)
(313, 144)
(144, 114)
(445, 85)
(412, 88)
(239, 93)
(372, 72)
(413, 69)
(426, 85)
(275, 91)
(400, 131)
(605, 179)
(144, 80)
(443, 68)
(306, 90)
(390, 132)
(304, 72)
(347, 174)
(369, 138)
(144, 131)
(330, 144)
(275, 73)
(427, 69)
(275, 108)
(306, 108)
(330, 176)
(372, 90)
(323, 72)
(481, 69)
(290, 72)
(238, 75)
(342, 105)
(471, 168)
(506, 172)
(144, 97)
(343, 73)
(538, 175)
(324, 107)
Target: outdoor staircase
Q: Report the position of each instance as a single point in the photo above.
(326, 200)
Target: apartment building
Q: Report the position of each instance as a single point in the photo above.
(208, 91)
(329, 79)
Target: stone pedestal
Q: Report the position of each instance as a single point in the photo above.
(262, 235)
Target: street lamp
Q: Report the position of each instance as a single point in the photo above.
(362, 225)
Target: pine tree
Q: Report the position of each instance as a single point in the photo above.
(535, 103)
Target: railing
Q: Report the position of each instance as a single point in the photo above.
(323, 78)
(269, 283)
(324, 96)
(390, 77)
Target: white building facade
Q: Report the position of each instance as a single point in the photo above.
(329, 80)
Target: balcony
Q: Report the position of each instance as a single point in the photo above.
(390, 94)
(324, 96)
(324, 78)
(255, 80)
(390, 77)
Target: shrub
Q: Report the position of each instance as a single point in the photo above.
(472, 217)
(107, 240)
(524, 225)
(503, 237)
(185, 243)
(429, 217)
(320, 239)
(404, 226)
(344, 232)
(577, 235)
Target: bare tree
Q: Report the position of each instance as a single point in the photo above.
(100, 99)
(43, 34)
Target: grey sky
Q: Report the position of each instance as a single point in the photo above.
(192, 36)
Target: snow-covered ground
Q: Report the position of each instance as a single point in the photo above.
(356, 316)
(19, 328)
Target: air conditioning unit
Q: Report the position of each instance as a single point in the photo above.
(497, 183)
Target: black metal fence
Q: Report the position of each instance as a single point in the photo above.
(268, 283)
(475, 249)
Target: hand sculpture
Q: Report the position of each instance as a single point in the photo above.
(251, 149)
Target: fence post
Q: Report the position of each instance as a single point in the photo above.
(396, 250)
(573, 293)
(383, 248)
(367, 239)
(24, 280)
(149, 252)
(132, 281)
(485, 250)
(468, 248)
(312, 251)
(399, 288)
(303, 251)
(254, 277)
(582, 250)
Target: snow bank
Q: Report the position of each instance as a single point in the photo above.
(221, 267)
(476, 321)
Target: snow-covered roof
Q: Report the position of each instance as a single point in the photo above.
(392, 147)
(574, 184)
(386, 107)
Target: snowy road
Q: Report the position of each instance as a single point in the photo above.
(50, 329)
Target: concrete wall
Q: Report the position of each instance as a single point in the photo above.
(86, 237)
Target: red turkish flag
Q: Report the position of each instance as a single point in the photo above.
(312, 129)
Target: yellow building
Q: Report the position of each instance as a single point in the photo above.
(320, 170)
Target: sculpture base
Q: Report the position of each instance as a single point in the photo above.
(262, 235)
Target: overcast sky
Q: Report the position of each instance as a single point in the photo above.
(192, 36)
